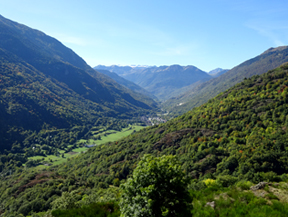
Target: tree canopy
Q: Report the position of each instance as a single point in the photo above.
(158, 187)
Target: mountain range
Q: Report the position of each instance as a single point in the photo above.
(179, 93)
(163, 81)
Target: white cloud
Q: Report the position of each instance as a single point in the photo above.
(273, 31)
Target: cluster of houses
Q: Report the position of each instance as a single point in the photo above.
(89, 146)
(152, 120)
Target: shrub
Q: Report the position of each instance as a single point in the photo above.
(226, 180)
(209, 182)
(244, 185)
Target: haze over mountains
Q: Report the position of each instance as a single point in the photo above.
(163, 81)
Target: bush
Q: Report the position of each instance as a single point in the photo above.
(226, 180)
(244, 185)
(209, 182)
(66, 201)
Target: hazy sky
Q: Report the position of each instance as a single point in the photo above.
(206, 34)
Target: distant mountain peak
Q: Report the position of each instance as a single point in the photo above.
(189, 67)
(174, 67)
(214, 71)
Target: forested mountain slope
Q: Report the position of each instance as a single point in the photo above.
(197, 95)
(36, 41)
(49, 55)
(30, 100)
(46, 87)
(240, 134)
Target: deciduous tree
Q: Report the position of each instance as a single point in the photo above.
(158, 188)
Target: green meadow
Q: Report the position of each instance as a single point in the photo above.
(110, 135)
(99, 137)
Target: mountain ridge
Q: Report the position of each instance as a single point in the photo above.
(200, 94)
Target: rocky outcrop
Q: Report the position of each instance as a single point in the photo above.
(260, 185)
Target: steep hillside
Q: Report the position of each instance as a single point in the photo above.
(239, 135)
(36, 41)
(49, 55)
(30, 100)
(197, 95)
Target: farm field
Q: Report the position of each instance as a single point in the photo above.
(41, 162)
(110, 135)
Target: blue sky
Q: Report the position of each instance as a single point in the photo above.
(206, 34)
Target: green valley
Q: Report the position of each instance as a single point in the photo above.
(95, 137)
(225, 146)
(179, 142)
(50, 98)
(102, 136)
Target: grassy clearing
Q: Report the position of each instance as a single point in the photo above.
(79, 150)
(49, 160)
(111, 135)
(106, 136)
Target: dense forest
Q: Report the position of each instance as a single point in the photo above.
(236, 139)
